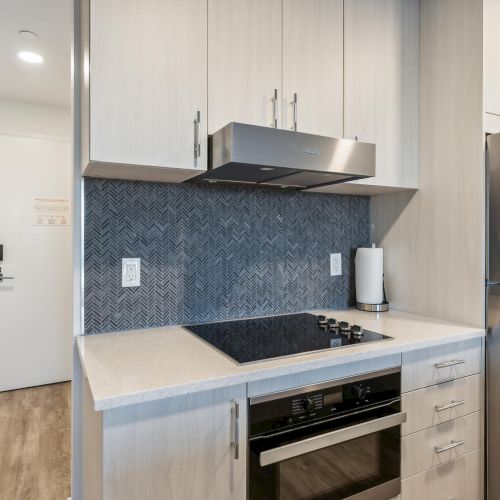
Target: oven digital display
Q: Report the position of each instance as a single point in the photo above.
(332, 398)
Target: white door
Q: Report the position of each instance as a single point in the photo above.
(35, 307)
(313, 72)
(244, 62)
(148, 82)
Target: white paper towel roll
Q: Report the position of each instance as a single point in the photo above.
(369, 271)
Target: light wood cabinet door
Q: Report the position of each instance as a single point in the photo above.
(440, 403)
(148, 81)
(381, 90)
(313, 66)
(435, 365)
(244, 62)
(458, 479)
(491, 56)
(177, 448)
(439, 444)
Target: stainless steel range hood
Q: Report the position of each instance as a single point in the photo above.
(250, 154)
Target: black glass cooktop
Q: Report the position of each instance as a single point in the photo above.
(258, 339)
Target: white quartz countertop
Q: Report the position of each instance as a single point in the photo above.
(144, 365)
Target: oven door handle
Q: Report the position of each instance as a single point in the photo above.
(315, 443)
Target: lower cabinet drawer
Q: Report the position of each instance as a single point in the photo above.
(442, 443)
(430, 366)
(441, 403)
(459, 479)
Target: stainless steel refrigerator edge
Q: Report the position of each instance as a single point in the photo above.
(493, 315)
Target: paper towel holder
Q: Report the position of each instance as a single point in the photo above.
(373, 307)
(383, 307)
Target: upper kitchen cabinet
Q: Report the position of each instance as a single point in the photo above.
(244, 62)
(313, 66)
(491, 65)
(381, 90)
(144, 89)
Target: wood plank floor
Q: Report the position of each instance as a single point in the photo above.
(35, 442)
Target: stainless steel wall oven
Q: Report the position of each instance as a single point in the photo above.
(335, 440)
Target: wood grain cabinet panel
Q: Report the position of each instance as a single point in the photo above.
(491, 56)
(458, 479)
(439, 444)
(176, 448)
(426, 367)
(440, 403)
(381, 90)
(145, 81)
(382, 85)
(244, 62)
(313, 66)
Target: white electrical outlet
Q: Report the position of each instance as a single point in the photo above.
(335, 264)
(131, 272)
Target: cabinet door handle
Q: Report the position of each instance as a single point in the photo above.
(235, 412)
(295, 112)
(275, 109)
(452, 362)
(453, 444)
(197, 144)
(452, 404)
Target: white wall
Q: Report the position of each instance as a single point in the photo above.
(34, 120)
(35, 308)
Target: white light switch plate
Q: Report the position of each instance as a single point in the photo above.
(335, 264)
(131, 272)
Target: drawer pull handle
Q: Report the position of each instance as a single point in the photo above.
(452, 362)
(453, 404)
(453, 444)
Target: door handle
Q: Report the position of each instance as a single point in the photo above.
(452, 362)
(452, 404)
(453, 444)
(295, 111)
(2, 277)
(275, 109)
(197, 143)
(235, 412)
(315, 443)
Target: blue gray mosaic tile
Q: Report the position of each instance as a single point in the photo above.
(215, 252)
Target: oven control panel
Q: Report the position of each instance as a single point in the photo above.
(309, 403)
(322, 402)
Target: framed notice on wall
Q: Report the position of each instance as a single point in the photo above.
(51, 212)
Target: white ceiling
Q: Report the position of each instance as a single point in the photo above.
(50, 81)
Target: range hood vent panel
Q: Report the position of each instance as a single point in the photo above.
(263, 155)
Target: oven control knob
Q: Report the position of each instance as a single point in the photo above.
(357, 331)
(345, 326)
(360, 391)
(322, 321)
(333, 324)
(307, 404)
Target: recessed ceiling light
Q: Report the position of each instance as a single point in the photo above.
(30, 57)
(28, 35)
(266, 169)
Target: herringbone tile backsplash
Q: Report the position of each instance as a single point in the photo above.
(215, 252)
